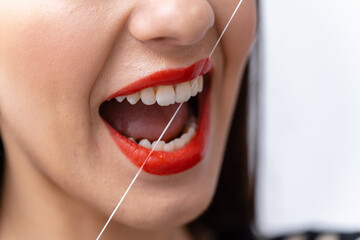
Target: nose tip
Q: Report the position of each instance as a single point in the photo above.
(183, 21)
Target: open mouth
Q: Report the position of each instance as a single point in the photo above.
(137, 115)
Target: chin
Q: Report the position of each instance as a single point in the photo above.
(155, 203)
(167, 212)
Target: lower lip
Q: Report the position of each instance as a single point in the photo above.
(166, 163)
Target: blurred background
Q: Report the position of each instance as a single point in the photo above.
(307, 94)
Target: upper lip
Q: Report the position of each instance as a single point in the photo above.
(167, 77)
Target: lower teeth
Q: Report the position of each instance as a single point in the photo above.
(175, 144)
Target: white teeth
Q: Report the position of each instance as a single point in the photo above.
(194, 87)
(175, 144)
(186, 137)
(145, 143)
(120, 98)
(191, 131)
(133, 98)
(179, 143)
(166, 95)
(200, 83)
(159, 146)
(169, 147)
(148, 96)
(183, 93)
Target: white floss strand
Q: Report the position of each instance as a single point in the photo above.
(140, 169)
(227, 25)
(162, 134)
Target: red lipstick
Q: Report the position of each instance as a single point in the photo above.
(161, 162)
(167, 77)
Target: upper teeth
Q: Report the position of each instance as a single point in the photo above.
(166, 95)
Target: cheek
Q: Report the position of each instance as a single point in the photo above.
(45, 51)
(51, 54)
(240, 34)
(235, 46)
(241, 31)
(50, 57)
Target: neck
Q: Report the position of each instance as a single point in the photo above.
(33, 207)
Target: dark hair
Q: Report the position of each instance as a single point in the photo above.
(231, 212)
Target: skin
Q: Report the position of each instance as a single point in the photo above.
(59, 60)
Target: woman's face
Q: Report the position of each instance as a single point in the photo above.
(60, 63)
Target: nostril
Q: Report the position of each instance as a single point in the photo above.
(185, 21)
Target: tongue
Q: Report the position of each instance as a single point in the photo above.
(141, 121)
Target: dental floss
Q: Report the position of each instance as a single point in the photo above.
(166, 128)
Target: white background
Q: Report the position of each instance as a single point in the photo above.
(309, 169)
